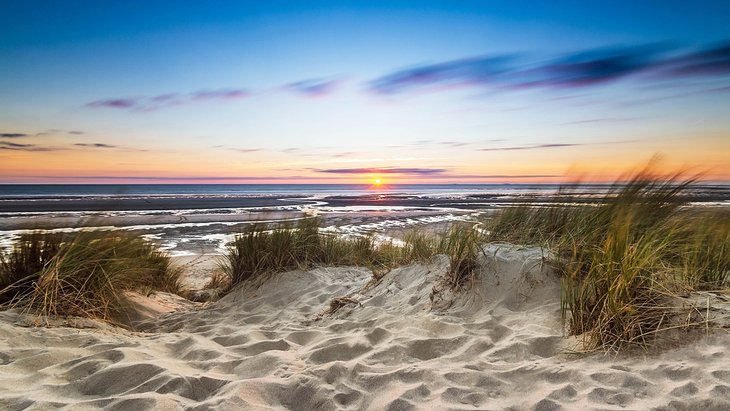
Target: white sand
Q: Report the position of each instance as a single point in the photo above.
(397, 345)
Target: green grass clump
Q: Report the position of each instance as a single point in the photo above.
(287, 246)
(263, 249)
(20, 267)
(461, 245)
(621, 257)
(704, 257)
(82, 274)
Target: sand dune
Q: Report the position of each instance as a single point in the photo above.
(328, 338)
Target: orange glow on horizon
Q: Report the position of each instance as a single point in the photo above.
(159, 166)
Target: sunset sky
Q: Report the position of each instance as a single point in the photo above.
(337, 92)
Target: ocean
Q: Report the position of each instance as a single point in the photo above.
(202, 218)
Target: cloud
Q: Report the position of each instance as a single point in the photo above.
(383, 170)
(115, 103)
(711, 61)
(576, 70)
(497, 176)
(453, 143)
(14, 145)
(10, 146)
(592, 67)
(476, 70)
(183, 178)
(313, 87)
(12, 135)
(246, 150)
(76, 133)
(224, 94)
(532, 147)
(343, 154)
(95, 145)
(151, 103)
(7, 145)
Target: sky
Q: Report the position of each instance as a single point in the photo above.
(354, 91)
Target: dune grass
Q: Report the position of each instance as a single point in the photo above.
(20, 267)
(621, 258)
(82, 274)
(263, 249)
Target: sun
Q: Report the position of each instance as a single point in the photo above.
(377, 182)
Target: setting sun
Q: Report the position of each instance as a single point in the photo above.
(377, 182)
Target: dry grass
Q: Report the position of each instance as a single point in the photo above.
(620, 259)
(82, 274)
(264, 249)
(461, 245)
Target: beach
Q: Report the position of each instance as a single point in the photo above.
(404, 343)
(344, 336)
(365, 205)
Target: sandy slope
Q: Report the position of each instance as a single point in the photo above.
(396, 345)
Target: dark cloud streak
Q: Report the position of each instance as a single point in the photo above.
(577, 70)
(152, 103)
(532, 147)
(10, 146)
(383, 170)
(313, 87)
(95, 145)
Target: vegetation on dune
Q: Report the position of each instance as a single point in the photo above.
(263, 249)
(82, 274)
(622, 258)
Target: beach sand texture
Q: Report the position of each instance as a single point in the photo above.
(403, 343)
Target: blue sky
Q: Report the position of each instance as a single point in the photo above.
(423, 91)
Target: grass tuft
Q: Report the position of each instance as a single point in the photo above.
(263, 249)
(82, 274)
(621, 257)
(461, 244)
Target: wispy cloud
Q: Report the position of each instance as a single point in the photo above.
(181, 178)
(151, 103)
(15, 145)
(10, 146)
(245, 150)
(314, 87)
(13, 135)
(710, 61)
(494, 176)
(531, 147)
(116, 103)
(95, 145)
(476, 70)
(577, 70)
(383, 170)
(224, 94)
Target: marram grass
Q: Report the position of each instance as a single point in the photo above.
(262, 249)
(622, 258)
(82, 274)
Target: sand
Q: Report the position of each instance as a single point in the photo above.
(403, 343)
